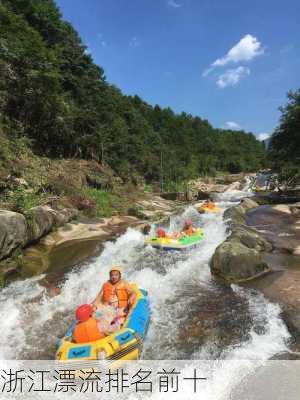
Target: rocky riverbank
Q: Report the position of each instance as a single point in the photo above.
(263, 252)
(20, 230)
(57, 234)
(280, 226)
(55, 237)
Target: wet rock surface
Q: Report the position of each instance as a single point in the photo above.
(264, 239)
(283, 287)
(240, 257)
(280, 226)
(72, 244)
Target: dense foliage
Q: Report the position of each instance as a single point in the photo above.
(53, 93)
(285, 142)
(284, 151)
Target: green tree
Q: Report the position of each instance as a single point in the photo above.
(285, 142)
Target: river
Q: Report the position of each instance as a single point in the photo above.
(193, 315)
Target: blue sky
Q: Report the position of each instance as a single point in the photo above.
(229, 61)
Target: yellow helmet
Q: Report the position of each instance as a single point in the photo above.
(116, 268)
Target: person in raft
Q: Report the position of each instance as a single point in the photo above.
(117, 294)
(162, 234)
(209, 204)
(87, 328)
(188, 228)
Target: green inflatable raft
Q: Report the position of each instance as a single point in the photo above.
(168, 243)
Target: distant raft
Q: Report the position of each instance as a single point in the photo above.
(124, 344)
(204, 209)
(176, 244)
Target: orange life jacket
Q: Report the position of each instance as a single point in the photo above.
(117, 291)
(87, 331)
(189, 231)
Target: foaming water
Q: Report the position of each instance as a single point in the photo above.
(193, 316)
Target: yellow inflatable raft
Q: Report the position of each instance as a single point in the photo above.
(124, 344)
(203, 209)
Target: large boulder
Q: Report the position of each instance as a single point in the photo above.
(240, 257)
(41, 220)
(235, 262)
(12, 232)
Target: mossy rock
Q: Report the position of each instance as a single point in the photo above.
(235, 262)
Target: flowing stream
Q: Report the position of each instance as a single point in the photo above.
(193, 315)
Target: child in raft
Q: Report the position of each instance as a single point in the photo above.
(95, 325)
(109, 319)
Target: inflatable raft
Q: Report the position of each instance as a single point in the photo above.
(176, 244)
(204, 209)
(124, 344)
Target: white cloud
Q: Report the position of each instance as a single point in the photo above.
(174, 4)
(245, 50)
(263, 136)
(231, 77)
(134, 42)
(232, 125)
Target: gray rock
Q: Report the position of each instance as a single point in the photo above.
(235, 262)
(63, 216)
(248, 204)
(12, 232)
(235, 214)
(240, 258)
(249, 237)
(42, 219)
